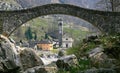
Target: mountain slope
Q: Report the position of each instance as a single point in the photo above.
(9, 5)
(31, 3)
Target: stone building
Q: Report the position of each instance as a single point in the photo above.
(45, 45)
(60, 39)
(67, 42)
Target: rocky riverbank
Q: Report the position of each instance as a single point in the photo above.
(19, 60)
(15, 59)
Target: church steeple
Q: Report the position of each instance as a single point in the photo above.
(60, 25)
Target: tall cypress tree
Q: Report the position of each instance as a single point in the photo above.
(28, 34)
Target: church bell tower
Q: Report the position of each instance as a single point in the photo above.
(60, 25)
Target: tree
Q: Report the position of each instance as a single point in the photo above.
(35, 36)
(28, 34)
(46, 36)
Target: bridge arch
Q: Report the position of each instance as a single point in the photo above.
(10, 20)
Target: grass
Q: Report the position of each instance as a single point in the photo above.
(76, 34)
(55, 51)
(110, 44)
(81, 49)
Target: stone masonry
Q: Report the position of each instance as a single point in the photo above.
(107, 22)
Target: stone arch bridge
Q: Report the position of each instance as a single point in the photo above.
(105, 21)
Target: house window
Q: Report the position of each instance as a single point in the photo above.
(66, 45)
(66, 38)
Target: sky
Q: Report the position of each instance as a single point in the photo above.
(83, 3)
(89, 3)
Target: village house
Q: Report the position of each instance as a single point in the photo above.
(67, 42)
(45, 45)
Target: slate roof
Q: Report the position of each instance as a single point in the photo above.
(45, 42)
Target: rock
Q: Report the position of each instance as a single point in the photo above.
(8, 56)
(46, 69)
(113, 52)
(66, 62)
(95, 51)
(41, 69)
(30, 70)
(48, 61)
(100, 59)
(29, 59)
(91, 38)
(61, 53)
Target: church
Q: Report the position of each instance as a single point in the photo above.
(59, 39)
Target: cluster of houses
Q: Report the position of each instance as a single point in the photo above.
(58, 40)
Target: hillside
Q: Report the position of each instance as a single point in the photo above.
(9, 5)
(45, 25)
(82, 3)
(9, 1)
(13, 2)
(32, 3)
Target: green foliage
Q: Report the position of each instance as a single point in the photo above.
(28, 34)
(76, 34)
(43, 25)
(111, 46)
(35, 36)
(61, 53)
(62, 71)
(83, 65)
(81, 49)
(110, 41)
(46, 36)
(55, 50)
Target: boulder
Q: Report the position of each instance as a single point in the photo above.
(95, 51)
(8, 56)
(30, 59)
(61, 53)
(100, 59)
(46, 69)
(67, 62)
(41, 69)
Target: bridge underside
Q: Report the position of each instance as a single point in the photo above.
(105, 21)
